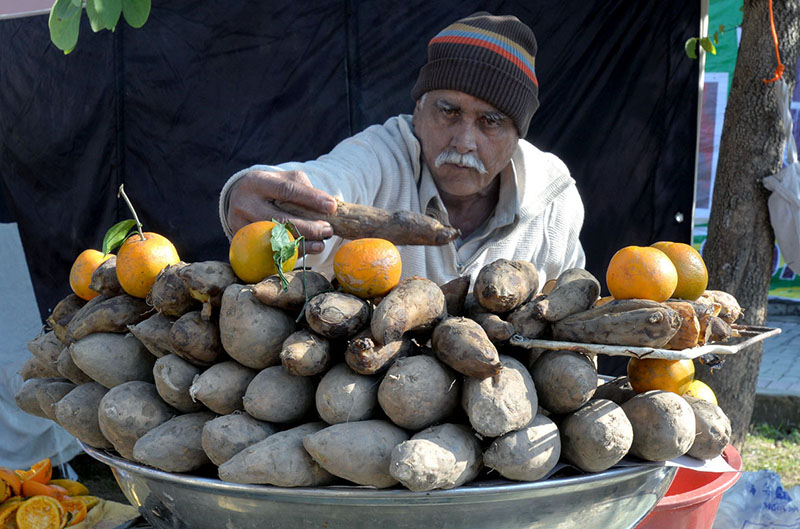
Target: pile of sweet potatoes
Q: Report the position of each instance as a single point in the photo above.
(310, 386)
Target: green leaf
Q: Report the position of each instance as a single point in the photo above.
(77, 3)
(707, 45)
(136, 12)
(106, 13)
(64, 23)
(283, 248)
(691, 47)
(116, 235)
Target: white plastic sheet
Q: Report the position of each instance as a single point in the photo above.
(784, 202)
(759, 501)
(24, 439)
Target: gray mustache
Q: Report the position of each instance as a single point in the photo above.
(466, 160)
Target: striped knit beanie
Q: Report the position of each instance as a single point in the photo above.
(488, 57)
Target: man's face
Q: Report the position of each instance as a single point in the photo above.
(465, 141)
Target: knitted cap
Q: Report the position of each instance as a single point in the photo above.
(488, 57)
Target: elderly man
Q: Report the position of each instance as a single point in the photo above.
(461, 158)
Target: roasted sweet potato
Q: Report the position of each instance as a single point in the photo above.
(440, 457)
(104, 279)
(415, 304)
(62, 314)
(113, 359)
(226, 436)
(222, 386)
(344, 395)
(526, 321)
(153, 332)
(276, 396)
(169, 294)
(49, 393)
(688, 334)
(46, 348)
(527, 454)
(130, 410)
(337, 315)
(663, 425)
(366, 357)
(33, 368)
(206, 282)
(252, 333)
(462, 344)
(111, 315)
(174, 445)
(76, 412)
(503, 285)
(279, 460)
(596, 436)
(575, 290)
(455, 294)
(173, 378)
(356, 221)
(302, 285)
(500, 404)
(67, 368)
(634, 322)
(418, 391)
(305, 353)
(497, 329)
(360, 451)
(712, 429)
(564, 380)
(730, 310)
(195, 339)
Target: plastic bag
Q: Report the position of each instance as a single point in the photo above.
(784, 201)
(759, 501)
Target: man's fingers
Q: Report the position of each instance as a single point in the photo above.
(294, 186)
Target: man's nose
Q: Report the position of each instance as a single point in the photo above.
(463, 139)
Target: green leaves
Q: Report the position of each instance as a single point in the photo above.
(103, 14)
(116, 235)
(136, 12)
(707, 43)
(64, 23)
(691, 47)
(65, 18)
(283, 248)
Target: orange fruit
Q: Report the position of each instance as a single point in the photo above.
(641, 272)
(139, 261)
(73, 488)
(367, 267)
(80, 275)
(692, 272)
(251, 253)
(76, 510)
(12, 480)
(39, 512)
(700, 390)
(8, 512)
(34, 488)
(90, 501)
(40, 471)
(646, 374)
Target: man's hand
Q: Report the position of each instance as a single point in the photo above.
(253, 197)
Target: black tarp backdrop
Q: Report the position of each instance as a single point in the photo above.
(207, 88)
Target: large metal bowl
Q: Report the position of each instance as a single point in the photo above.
(614, 499)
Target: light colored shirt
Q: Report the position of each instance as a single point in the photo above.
(538, 217)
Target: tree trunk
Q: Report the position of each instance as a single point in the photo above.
(739, 248)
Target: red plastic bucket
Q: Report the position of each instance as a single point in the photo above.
(692, 500)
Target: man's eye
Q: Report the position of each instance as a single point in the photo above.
(450, 112)
(491, 122)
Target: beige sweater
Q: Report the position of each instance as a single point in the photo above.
(538, 217)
